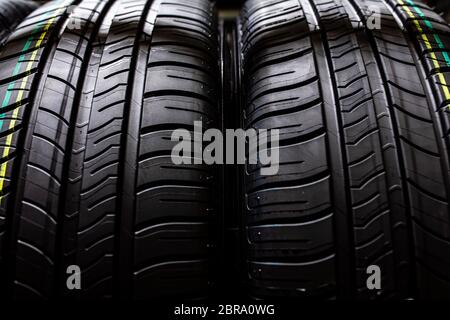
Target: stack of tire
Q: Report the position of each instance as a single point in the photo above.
(91, 91)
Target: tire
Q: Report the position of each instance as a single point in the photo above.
(364, 122)
(88, 177)
(11, 15)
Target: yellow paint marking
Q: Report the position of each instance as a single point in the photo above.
(23, 85)
(432, 54)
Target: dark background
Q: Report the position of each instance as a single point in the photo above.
(441, 6)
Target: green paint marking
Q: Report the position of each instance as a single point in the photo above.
(430, 26)
(16, 71)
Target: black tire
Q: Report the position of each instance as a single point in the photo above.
(11, 14)
(88, 176)
(364, 128)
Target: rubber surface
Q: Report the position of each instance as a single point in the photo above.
(91, 92)
(363, 115)
(11, 14)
